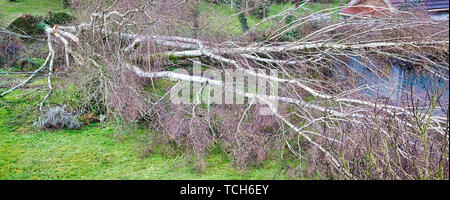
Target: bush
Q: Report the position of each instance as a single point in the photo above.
(58, 18)
(32, 25)
(243, 21)
(57, 119)
(261, 8)
(65, 3)
(27, 24)
(11, 49)
(282, 1)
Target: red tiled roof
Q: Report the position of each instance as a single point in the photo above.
(364, 10)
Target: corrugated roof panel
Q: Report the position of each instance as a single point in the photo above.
(427, 4)
(434, 4)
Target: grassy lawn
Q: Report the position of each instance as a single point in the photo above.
(11, 10)
(95, 151)
(224, 20)
(219, 16)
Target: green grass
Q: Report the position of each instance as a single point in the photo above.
(11, 10)
(217, 16)
(308, 8)
(95, 152)
(224, 20)
(92, 153)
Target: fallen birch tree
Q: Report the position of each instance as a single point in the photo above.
(342, 133)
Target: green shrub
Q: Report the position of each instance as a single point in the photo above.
(261, 8)
(26, 63)
(11, 49)
(26, 24)
(57, 119)
(65, 3)
(293, 34)
(58, 18)
(243, 21)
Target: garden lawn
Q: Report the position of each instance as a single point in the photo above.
(11, 10)
(95, 151)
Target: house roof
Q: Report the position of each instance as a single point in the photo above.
(387, 2)
(435, 4)
(392, 5)
(364, 11)
(427, 4)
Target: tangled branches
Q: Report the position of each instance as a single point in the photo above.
(321, 113)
